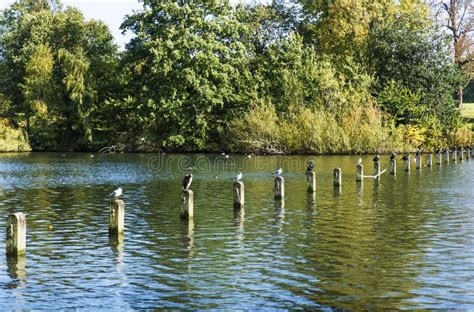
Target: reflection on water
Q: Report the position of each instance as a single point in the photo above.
(401, 242)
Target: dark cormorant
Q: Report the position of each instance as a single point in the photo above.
(187, 180)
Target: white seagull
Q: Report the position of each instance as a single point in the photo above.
(117, 193)
(238, 177)
(278, 172)
(359, 162)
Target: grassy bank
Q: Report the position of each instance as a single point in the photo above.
(468, 111)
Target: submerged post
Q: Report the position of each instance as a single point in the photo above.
(393, 166)
(116, 217)
(337, 177)
(239, 194)
(454, 155)
(438, 158)
(461, 154)
(429, 160)
(468, 153)
(187, 204)
(418, 161)
(359, 172)
(407, 162)
(376, 168)
(279, 187)
(16, 234)
(446, 156)
(311, 176)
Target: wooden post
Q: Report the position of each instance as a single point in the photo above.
(311, 176)
(407, 164)
(359, 172)
(393, 166)
(239, 194)
(418, 161)
(187, 204)
(454, 155)
(446, 156)
(279, 187)
(116, 217)
(468, 154)
(438, 158)
(337, 177)
(461, 154)
(429, 160)
(16, 234)
(376, 168)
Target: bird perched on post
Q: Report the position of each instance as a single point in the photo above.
(393, 155)
(359, 161)
(238, 177)
(405, 156)
(117, 193)
(418, 152)
(278, 172)
(187, 180)
(377, 157)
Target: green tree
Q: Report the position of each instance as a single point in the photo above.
(189, 69)
(56, 68)
(418, 61)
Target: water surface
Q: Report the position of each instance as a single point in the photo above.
(404, 242)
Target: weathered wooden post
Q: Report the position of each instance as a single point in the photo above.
(461, 154)
(116, 217)
(376, 168)
(438, 157)
(446, 156)
(16, 234)
(187, 204)
(337, 177)
(279, 187)
(454, 155)
(418, 161)
(393, 166)
(406, 158)
(359, 172)
(468, 153)
(311, 176)
(429, 160)
(239, 194)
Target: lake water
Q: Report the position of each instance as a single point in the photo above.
(404, 242)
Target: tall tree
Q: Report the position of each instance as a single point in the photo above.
(458, 17)
(189, 67)
(55, 67)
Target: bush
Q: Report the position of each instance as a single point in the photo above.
(11, 139)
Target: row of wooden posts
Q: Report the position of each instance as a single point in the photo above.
(16, 222)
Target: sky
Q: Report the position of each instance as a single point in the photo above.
(110, 12)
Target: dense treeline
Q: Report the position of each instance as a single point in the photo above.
(306, 77)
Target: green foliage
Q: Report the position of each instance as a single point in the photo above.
(11, 139)
(343, 76)
(56, 68)
(415, 64)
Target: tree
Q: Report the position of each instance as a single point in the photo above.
(458, 17)
(189, 69)
(415, 65)
(55, 69)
